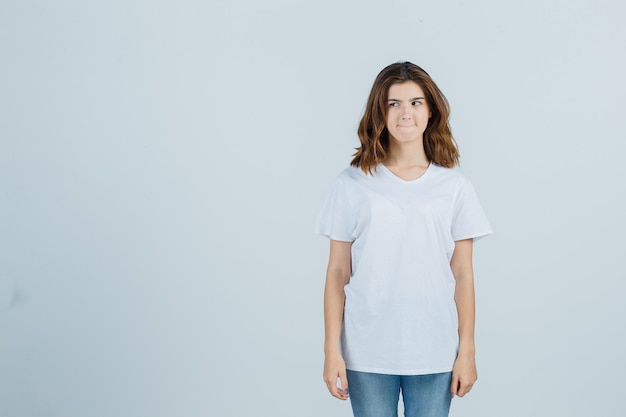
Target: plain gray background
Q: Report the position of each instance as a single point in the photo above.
(162, 165)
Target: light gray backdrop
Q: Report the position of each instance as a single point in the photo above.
(162, 165)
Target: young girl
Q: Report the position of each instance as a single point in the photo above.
(399, 295)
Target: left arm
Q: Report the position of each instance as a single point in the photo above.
(464, 372)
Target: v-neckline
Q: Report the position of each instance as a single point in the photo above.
(405, 181)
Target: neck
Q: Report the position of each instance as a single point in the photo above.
(407, 154)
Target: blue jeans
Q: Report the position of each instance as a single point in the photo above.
(377, 395)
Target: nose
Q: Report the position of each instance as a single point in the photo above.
(406, 113)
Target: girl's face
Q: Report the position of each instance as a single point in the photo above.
(407, 112)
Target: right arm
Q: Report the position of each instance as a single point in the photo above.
(337, 276)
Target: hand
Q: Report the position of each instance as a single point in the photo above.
(464, 375)
(335, 367)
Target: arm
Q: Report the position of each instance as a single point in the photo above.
(337, 276)
(464, 372)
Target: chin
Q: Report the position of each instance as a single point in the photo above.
(407, 140)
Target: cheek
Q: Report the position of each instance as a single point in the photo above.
(393, 114)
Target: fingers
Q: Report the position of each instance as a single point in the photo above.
(464, 389)
(343, 391)
(342, 394)
(334, 374)
(454, 386)
(337, 392)
(460, 387)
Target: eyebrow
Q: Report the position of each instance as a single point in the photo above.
(413, 99)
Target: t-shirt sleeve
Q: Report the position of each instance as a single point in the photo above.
(337, 219)
(469, 219)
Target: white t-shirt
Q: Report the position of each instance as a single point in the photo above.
(400, 316)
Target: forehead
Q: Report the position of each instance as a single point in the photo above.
(405, 90)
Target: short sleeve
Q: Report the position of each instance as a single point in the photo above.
(468, 218)
(337, 219)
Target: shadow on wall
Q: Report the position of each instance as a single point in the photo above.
(10, 297)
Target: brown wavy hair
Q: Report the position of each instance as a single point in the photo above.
(439, 145)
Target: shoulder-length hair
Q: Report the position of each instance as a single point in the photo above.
(439, 145)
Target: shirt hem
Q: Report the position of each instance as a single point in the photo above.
(387, 371)
(333, 236)
(475, 236)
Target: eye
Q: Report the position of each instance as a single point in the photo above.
(393, 104)
(416, 103)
